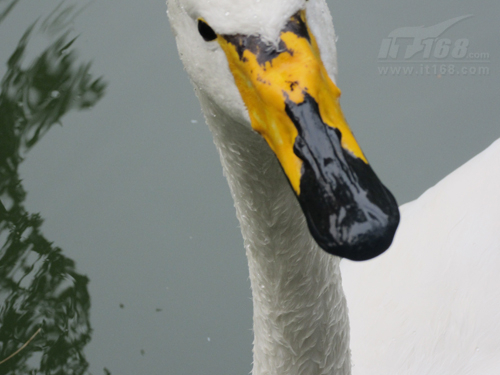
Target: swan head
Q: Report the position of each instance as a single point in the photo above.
(270, 65)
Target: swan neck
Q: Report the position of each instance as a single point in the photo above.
(300, 318)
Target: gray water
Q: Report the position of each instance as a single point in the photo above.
(138, 266)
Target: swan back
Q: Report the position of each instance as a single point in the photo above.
(431, 303)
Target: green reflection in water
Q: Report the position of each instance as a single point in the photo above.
(39, 286)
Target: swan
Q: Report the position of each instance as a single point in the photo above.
(434, 298)
(305, 196)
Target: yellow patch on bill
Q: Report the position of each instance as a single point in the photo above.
(268, 78)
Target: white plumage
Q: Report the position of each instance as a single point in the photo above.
(427, 306)
(431, 303)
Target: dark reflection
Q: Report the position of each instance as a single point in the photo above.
(40, 290)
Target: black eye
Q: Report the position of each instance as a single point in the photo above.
(206, 31)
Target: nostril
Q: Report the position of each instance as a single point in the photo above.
(339, 134)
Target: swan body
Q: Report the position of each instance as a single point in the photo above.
(301, 322)
(431, 304)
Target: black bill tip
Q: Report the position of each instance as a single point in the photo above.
(349, 212)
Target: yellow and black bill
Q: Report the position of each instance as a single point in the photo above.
(294, 105)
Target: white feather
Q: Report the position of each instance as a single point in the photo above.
(429, 306)
(431, 303)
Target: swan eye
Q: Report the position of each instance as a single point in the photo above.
(206, 31)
